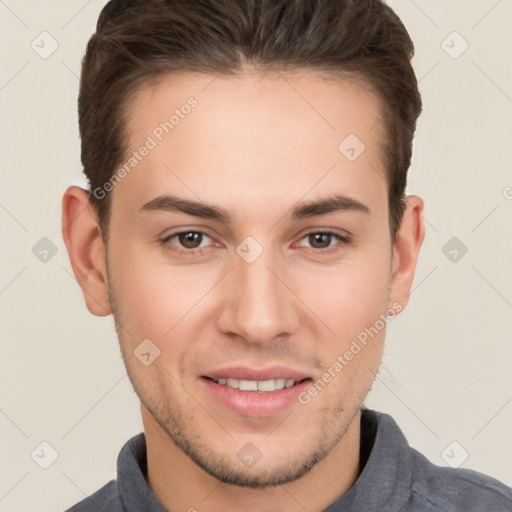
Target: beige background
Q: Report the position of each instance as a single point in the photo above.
(445, 375)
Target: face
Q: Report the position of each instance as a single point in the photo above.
(246, 245)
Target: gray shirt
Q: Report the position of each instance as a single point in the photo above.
(395, 478)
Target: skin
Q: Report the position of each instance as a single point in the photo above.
(255, 148)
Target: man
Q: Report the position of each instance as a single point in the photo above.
(246, 226)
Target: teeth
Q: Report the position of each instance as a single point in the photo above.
(247, 385)
(280, 383)
(257, 385)
(232, 383)
(267, 385)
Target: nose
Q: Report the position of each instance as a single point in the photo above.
(257, 302)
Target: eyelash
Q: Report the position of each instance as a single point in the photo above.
(342, 241)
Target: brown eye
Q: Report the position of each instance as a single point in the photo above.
(188, 243)
(190, 239)
(320, 240)
(324, 242)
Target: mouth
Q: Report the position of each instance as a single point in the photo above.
(255, 392)
(258, 386)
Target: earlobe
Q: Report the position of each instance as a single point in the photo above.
(86, 249)
(406, 247)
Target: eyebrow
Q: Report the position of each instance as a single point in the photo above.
(303, 210)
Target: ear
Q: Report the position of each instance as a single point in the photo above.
(406, 248)
(82, 236)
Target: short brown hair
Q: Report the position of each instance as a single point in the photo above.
(137, 41)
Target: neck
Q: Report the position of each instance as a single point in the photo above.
(180, 485)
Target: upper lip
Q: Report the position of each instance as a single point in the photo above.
(246, 373)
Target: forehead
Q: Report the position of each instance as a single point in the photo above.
(258, 134)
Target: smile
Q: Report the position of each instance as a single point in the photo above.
(262, 386)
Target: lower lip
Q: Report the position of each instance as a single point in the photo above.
(254, 403)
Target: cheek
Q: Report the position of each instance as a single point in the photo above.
(353, 307)
(348, 297)
(154, 296)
